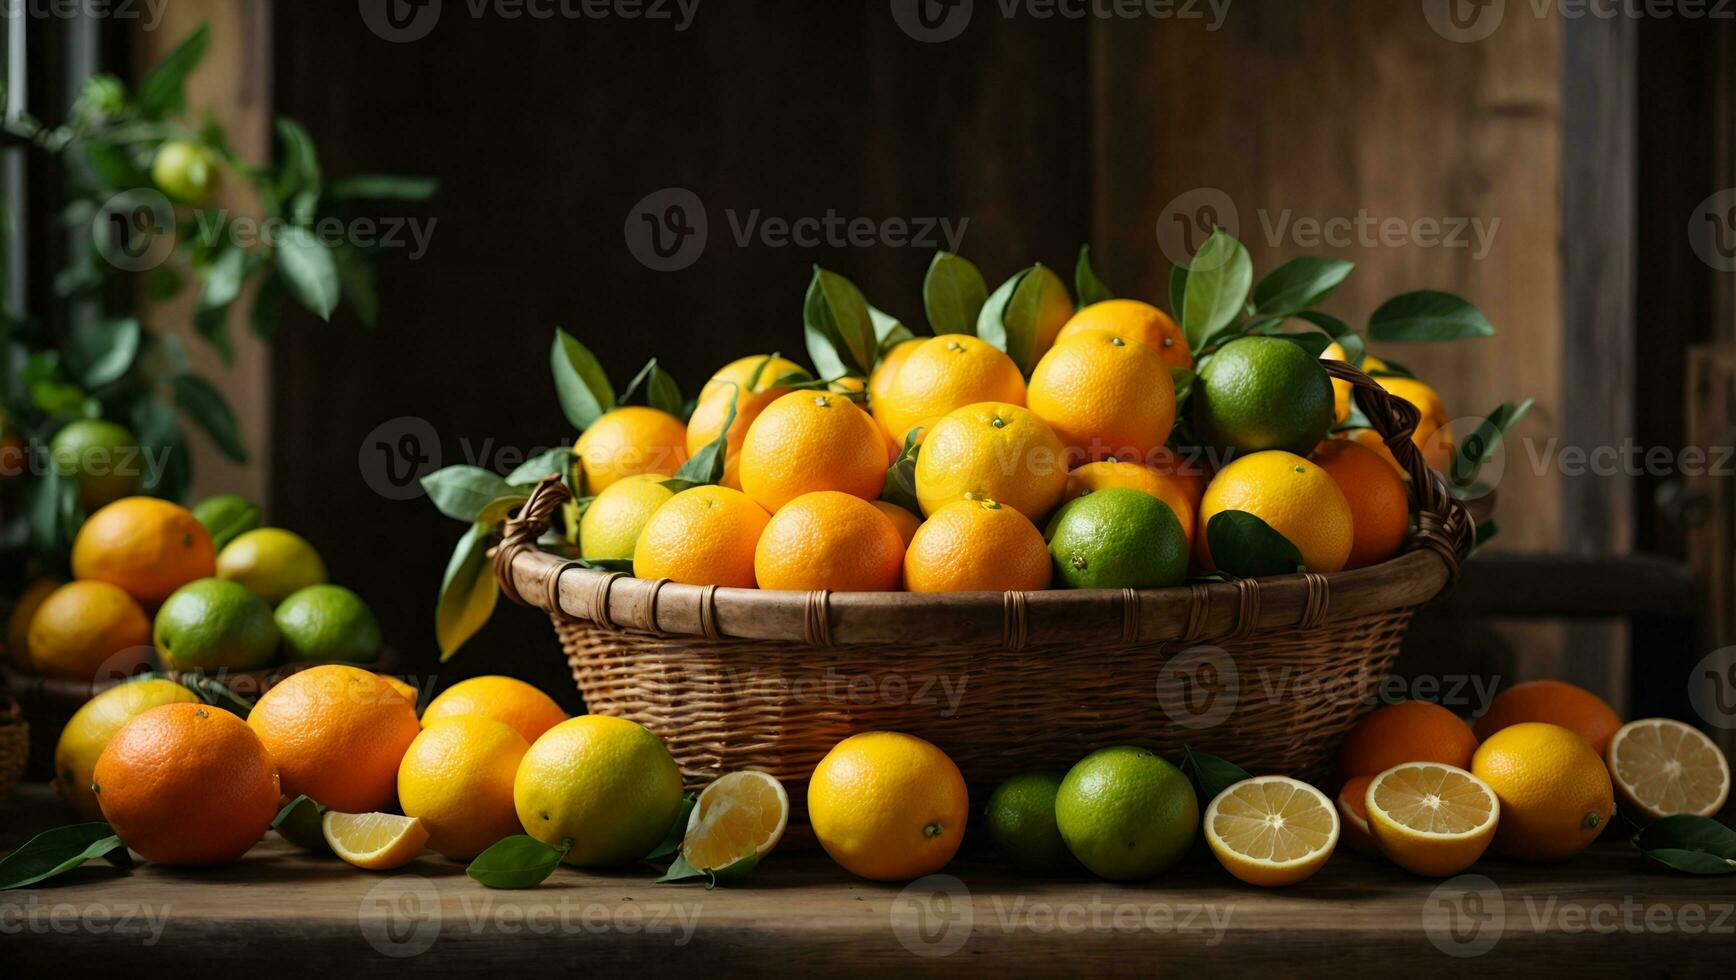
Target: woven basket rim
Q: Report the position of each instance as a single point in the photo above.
(1445, 531)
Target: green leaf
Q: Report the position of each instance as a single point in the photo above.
(1486, 532)
(383, 187)
(107, 350)
(580, 381)
(677, 829)
(300, 173)
(1247, 547)
(289, 809)
(1177, 291)
(1314, 343)
(223, 281)
(213, 692)
(1210, 774)
(57, 851)
(1479, 447)
(706, 466)
(1216, 289)
(1427, 315)
(267, 313)
(1012, 317)
(309, 270)
(467, 592)
(516, 862)
(461, 492)
(1089, 288)
(659, 389)
(1338, 330)
(358, 283)
(207, 406)
(1690, 833)
(953, 294)
(889, 331)
(164, 90)
(531, 471)
(500, 508)
(1299, 284)
(1692, 862)
(835, 316)
(900, 485)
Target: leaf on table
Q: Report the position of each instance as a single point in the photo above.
(1210, 774)
(677, 829)
(516, 862)
(57, 851)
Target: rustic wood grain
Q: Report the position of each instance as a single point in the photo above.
(801, 913)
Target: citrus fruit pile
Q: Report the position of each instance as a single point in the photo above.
(207, 589)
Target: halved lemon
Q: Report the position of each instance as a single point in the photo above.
(376, 841)
(737, 820)
(1271, 830)
(1662, 767)
(1431, 819)
(1353, 814)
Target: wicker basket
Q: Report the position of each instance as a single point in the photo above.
(1268, 673)
(14, 742)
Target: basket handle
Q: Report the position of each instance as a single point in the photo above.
(1444, 525)
(525, 527)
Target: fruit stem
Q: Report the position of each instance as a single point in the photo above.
(932, 830)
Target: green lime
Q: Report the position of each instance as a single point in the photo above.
(186, 172)
(1126, 814)
(272, 562)
(611, 525)
(302, 828)
(328, 622)
(103, 457)
(1021, 819)
(211, 623)
(227, 516)
(1118, 538)
(1260, 393)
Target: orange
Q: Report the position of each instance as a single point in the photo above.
(1353, 814)
(880, 379)
(23, 611)
(1340, 389)
(457, 777)
(888, 806)
(713, 405)
(1137, 321)
(1371, 441)
(1295, 497)
(187, 784)
(1190, 472)
(945, 373)
(84, 629)
(1135, 476)
(1434, 434)
(520, 706)
(1409, 731)
(810, 440)
(148, 547)
(1379, 502)
(977, 546)
(702, 536)
(1105, 396)
(1556, 702)
(903, 521)
(992, 450)
(1556, 795)
(337, 734)
(627, 441)
(829, 540)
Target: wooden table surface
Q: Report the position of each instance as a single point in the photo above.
(1602, 914)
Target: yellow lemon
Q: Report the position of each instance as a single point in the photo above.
(735, 822)
(272, 563)
(375, 841)
(457, 777)
(604, 788)
(1272, 830)
(611, 525)
(91, 727)
(1556, 794)
(888, 806)
(1431, 819)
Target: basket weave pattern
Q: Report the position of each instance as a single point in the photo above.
(1268, 673)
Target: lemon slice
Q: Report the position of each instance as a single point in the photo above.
(1662, 768)
(737, 820)
(1431, 819)
(1272, 830)
(376, 841)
